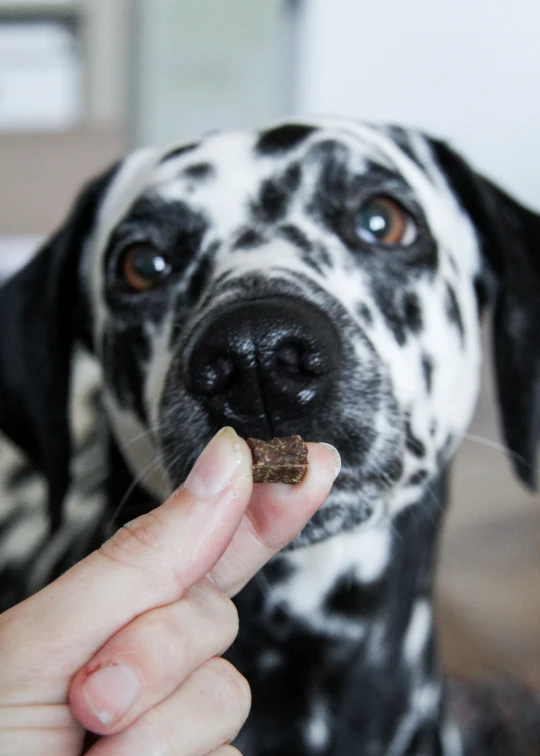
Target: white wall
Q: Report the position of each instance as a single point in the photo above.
(466, 70)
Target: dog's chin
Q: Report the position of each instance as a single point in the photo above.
(343, 511)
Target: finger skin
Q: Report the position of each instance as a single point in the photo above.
(205, 712)
(162, 647)
(149, 563)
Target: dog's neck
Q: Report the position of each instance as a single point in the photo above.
(342, 632)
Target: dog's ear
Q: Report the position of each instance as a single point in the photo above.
(41, 315)
(509, 235)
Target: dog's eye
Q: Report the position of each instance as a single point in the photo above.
(143, 267)
(382, 220)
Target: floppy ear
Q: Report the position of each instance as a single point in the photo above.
(509, 235)
(41, 315)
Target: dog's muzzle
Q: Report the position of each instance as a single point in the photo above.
(262, 364)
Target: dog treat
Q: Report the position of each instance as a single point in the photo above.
(280, 460)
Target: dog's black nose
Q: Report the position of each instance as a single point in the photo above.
(263, 363)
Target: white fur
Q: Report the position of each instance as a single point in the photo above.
(317, 731)
(418, 632)
(364, 553)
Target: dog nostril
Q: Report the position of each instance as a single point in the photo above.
(300, 359)
(289, 357)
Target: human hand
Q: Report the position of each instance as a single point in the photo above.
(126, 644)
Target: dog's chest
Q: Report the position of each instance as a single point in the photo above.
(329, 586)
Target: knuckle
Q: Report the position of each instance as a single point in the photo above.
(132, 543)
(220, 609)
(231, 687)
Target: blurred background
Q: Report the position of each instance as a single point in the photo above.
(83, 81)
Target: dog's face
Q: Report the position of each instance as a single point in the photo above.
(322, 279)
(312, 280)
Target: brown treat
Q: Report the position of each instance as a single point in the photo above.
(280, 460)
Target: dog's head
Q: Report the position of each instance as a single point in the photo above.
(323, 279)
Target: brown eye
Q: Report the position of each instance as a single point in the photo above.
(382, 220)
(143, 267)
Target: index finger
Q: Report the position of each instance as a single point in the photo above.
(149, 562)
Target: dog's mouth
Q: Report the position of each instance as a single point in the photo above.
(280, 366)
(371, 461)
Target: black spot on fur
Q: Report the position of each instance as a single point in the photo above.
(199, 171)
(292, 176)
(415, 747)
(413, 444)
(402, 312)
(394, 469)
(278, 570)
(351, 598)
(427, 369)
(481, 292)
(453, 311)
(296, 237)
(312, 263)
(365, 314)
(282, 138)
(200, 278)
(385, 298)
(125, 353)
(417, 477)
(427, 740)
(413, 312)
(179, 151)
(279, 616)
(272, 203)
(333, 185)
(322, 255)
(248, 239)
(433, 428)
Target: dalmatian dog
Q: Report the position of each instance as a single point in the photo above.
(323, 278)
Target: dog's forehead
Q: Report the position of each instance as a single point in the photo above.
(244, 159)
(223, 171)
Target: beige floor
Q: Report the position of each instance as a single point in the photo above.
(489, 575)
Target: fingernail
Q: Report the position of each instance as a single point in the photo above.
(111, 691)
(337, 458)
(216, 465)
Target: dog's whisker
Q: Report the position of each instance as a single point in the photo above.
(497, 446)
(145, 434)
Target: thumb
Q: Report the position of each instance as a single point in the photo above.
(149, 562)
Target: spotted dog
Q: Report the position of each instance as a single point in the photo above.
(321, 278)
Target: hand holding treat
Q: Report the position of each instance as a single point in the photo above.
(127, 643)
